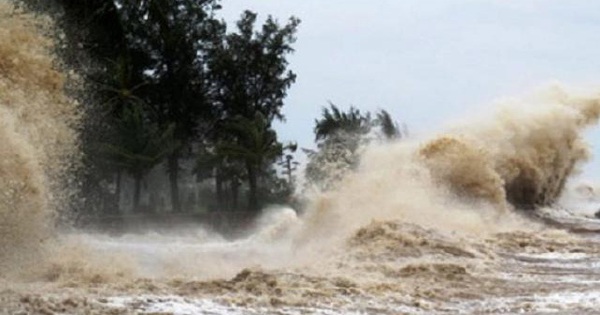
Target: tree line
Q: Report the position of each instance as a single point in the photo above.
(168, 86)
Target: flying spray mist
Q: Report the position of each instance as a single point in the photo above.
(471, 177)
(523, 156)
(39, 144)
(468, 179)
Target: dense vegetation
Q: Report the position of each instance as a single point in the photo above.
(171, 93)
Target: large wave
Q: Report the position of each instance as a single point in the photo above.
(436, 212)
(37, 135)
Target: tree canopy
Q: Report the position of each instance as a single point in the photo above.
(171, 92)
(340, 135)
(167, 85)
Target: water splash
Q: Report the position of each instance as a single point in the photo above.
(419, 225)
(37, 136)
(472, 176)
(522, 156)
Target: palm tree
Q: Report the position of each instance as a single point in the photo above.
(389, 128)
(339, 136)
(139, 146)
(288, 163)
(173, 38)
(338, 123)
(120, 86)
(255, 144)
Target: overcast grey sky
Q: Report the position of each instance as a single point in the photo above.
(429, 62)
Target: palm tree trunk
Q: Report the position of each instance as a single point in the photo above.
(117, 208)
(219, 189)
(252, 183)
(136, 192)
(173, 166)
(235, 192)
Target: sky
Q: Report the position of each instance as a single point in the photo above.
(430, 62)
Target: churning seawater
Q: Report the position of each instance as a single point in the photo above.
(431, 225)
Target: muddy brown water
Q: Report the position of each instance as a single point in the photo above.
(423, 226)
(387, 267)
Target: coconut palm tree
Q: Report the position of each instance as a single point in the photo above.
(339, 136)
(139, 146)
(389, 128)
(335, 123)
(255, 144)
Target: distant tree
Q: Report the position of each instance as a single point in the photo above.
(169, 65)
(389, 128)
(275, 189)
(116, 89)
(249, 70)
(336, 123)
(288, 164)
(227, 175)
(175, 37)
(256, 145)
(139, 146)
(339, 136)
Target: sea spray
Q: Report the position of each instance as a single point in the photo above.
(457, 183)
(523, 155)
(469, 178)
(422, 226)
(39, 143)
